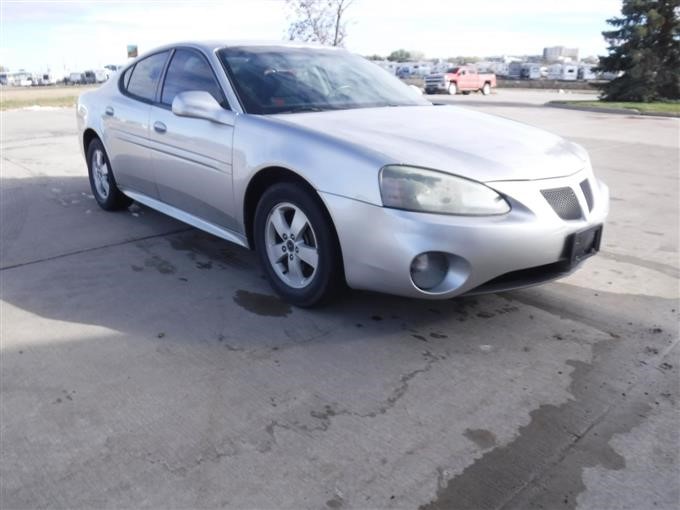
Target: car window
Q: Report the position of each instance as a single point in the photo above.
(145, 76)
(125, 79)
(189, 70)
(271, 80)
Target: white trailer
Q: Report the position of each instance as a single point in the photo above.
(531, 71)
(586, 72)
(563, 72)
(569, 72)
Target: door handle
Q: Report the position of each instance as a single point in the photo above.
(159, 127)
(109, 111)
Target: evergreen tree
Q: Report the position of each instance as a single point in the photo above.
(645, 46)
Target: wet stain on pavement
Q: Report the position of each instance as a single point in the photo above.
(160, 264)
(336, 502)
(519, 457)
(262, 304)
(218, 252)
(481, 437)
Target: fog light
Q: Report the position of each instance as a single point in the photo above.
(429, 269)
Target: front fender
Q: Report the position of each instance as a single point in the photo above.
(329, 165)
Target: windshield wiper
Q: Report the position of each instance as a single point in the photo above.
(301, 109)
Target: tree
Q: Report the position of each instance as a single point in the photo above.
(320, 21)
(645, 46)
(400, 55)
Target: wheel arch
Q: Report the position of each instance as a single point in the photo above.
(90, 134)
(258, 184)
(265, 178)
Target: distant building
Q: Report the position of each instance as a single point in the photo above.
(560, 53)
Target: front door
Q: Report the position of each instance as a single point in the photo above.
(191, 158)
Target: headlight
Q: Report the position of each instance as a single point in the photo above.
(417, 189)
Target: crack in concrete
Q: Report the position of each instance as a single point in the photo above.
(94, 248)
(329, 411)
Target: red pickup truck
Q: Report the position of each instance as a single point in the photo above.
(464, 79)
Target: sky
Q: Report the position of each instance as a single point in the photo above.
(75, 35)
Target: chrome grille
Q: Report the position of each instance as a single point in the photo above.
(564, 202)
(587, 193)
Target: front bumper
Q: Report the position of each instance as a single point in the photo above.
(379, 244)
(436, 85)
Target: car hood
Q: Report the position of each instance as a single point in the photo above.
(451, 139)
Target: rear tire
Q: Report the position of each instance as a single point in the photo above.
(102, 182)
(486, 89)
(453, 89)
(297, 245)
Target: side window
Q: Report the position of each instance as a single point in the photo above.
(145, 76)
(188, 70)
(126, 77)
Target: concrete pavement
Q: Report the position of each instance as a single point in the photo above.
(146, 364)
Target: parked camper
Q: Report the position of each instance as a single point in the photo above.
(586, 72)
(515, 70)
(46, 79)
(530, 71)
(563, 72)
(101, 75)
(23, 79)
(569, 72)
(74, 79)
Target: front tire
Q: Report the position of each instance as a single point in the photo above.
(297, 245)
(102, 182)
(486, 89)
(453, 89)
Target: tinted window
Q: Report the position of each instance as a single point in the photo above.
(188, 70)
(126, 77)
(281, 79)
(145, 76)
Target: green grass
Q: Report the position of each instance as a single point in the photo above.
(672, 107)
(8, 104)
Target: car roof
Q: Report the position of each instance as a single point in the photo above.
(212, 45)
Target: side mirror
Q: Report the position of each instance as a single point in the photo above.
(199, 104)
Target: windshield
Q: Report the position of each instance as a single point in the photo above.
(277, 80)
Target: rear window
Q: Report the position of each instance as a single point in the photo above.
(144, 76)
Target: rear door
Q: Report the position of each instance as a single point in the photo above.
(192, 157)
(126, 125)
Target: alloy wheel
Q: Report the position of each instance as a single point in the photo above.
(291, 243)
(100, 174)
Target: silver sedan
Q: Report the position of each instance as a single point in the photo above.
(337, 174)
